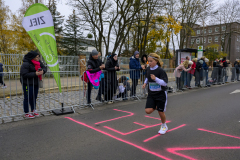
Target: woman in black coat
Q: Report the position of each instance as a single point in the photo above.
(31, 73)
(111, 77)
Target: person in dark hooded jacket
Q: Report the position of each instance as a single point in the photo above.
(31, 73)
(111, 77)
(198, 73)
(94, 65)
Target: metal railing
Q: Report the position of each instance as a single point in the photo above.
(115, 86)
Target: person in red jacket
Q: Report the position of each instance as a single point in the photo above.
(191, 72)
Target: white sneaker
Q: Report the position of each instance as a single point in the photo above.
(3, 87)
(163, 129)
(110, 102)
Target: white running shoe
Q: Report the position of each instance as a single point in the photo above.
(3, 87)
(163, 129)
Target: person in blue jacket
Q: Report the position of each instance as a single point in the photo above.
(135, 67)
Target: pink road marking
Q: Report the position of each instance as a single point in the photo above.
(146, 140)
(130, 114)
(200, 129)
(174, 150)
(121, 140)
(140, 124)
(114, 130)
(153, 117)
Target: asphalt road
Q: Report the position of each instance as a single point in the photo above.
(203, 124)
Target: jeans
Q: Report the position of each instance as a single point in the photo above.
(189, 79)
(134, 87)
(226, 78)
(30, 97)
(1, 81)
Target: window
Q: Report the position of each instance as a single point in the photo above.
(209, 39)
(198, 31)
(192, 41)
(237, 38)
(223, 28)
(216, 29)
(221, 48)
(184, 46)
(222, 38)
(216, 38)
(204, 41)
(205, 31)
(238, 48)
(210, 30)
(216, 49)
(198, 40)
(184, 39)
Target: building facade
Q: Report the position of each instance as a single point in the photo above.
(221, 37)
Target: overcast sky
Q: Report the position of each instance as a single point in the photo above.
(63, 8)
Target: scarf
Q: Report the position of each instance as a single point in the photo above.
(37, 66)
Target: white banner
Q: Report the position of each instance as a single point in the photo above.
(38, 21)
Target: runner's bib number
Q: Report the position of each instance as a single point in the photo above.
(154, 86)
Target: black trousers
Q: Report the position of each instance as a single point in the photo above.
(89, 90)
(1, 81)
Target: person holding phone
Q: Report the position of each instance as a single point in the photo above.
(31, 73)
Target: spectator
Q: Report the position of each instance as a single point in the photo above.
(102, 82)
(111, 77)
(135, 67)
(228, 71)
(205, 70)
(31, 73)
(220, 68)
(94, 65)
(1, 77)
(187, 58)
(234, 71)
(198, 73)
(237, 66)
(144, 61)
(215, 62)
(191, 72)
(177, 73)
(124, 87)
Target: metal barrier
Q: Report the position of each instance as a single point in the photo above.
(77, 93)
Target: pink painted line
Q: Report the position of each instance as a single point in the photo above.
(174, 150)
(140, 124)
(121, 140)
(130, 114)
(227, 135)
(114, 130)
(146, 140)
(153, 117)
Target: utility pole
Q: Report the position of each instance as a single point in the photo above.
(36, 1)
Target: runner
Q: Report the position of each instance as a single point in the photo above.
(157, 80)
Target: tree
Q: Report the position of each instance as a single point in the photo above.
(212, 53)
(226, 14)
(6, 34)
(108, 17)
(58, 20)
(73, 35)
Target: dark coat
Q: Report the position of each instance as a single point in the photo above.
(111, 75)
(28, 72)
(94, 64)
(134, 66)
